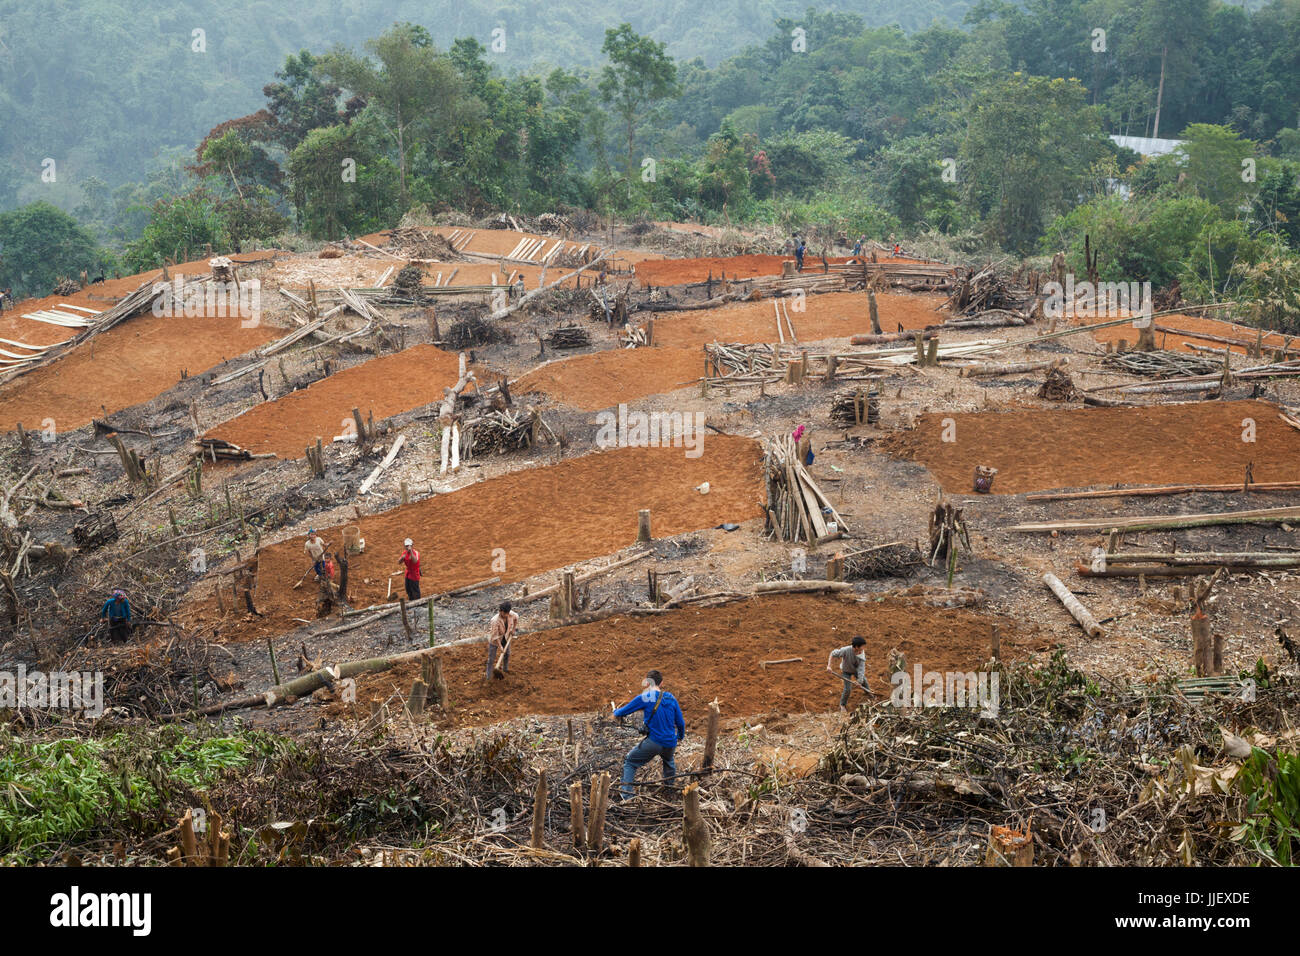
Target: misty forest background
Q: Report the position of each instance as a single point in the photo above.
(964, 129)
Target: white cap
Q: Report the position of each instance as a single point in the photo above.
(408, 542)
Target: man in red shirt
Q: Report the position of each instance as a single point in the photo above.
(411, 560)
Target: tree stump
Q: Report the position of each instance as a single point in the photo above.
(695, 832)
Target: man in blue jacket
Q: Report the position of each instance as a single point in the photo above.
(664, 729)
(118, 611)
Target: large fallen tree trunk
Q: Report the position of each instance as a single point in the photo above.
(1259, 559)
(1011, 368)
(1149, 523)
(1073, 605)
(1153, 490)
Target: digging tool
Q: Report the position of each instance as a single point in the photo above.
(498, 668)
(784, 660)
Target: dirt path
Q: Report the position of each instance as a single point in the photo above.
(1038, 449)
(711, 653)
(604, 379)
(385, 386)
(834, 315)
(522, 523)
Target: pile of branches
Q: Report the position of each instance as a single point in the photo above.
(409, 282)
(474, 331)
(501, 430)
(562, 300)
(975, 292)
(734, 358)
(608, 306)
(1159, 775)
(1058, 387)
(65, 286)
(413, 242)
(547, 224)
(568, 337)
(1159, 364)
(893, 560)
(853, 407)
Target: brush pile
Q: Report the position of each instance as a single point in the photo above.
(1058, 387)
(498, 431)
(568, 337)
(986, 290)
(1159, 364)
(797, 510)
(412, 242)
(737, 359)
(893, 560)
(853, 407)
(409, 283)
(474, 331)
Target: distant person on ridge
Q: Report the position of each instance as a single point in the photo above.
(800, 248)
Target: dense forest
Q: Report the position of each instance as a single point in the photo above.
(994, 135)
(106, 87)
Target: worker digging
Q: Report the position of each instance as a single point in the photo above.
(504, 626)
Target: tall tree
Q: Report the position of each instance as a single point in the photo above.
(410, 87)
(638, 77)
(38, 244)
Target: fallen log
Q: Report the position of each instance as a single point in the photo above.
(1073, 605)
(1261, 559)
(1151, 490)
(800, 587)
(380, 468)
(887, 337)
(1011, 368)
(1158, 570)
(1146, 523)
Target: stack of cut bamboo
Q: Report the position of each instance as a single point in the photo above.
(797, 510)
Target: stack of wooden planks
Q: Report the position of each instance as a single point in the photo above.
(797, 510)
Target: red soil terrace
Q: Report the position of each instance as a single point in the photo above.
(385, 386)
(129, 364)
(542, 518)
(835, 315)
(603, 379)
(710, 653)
(1040, 449)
